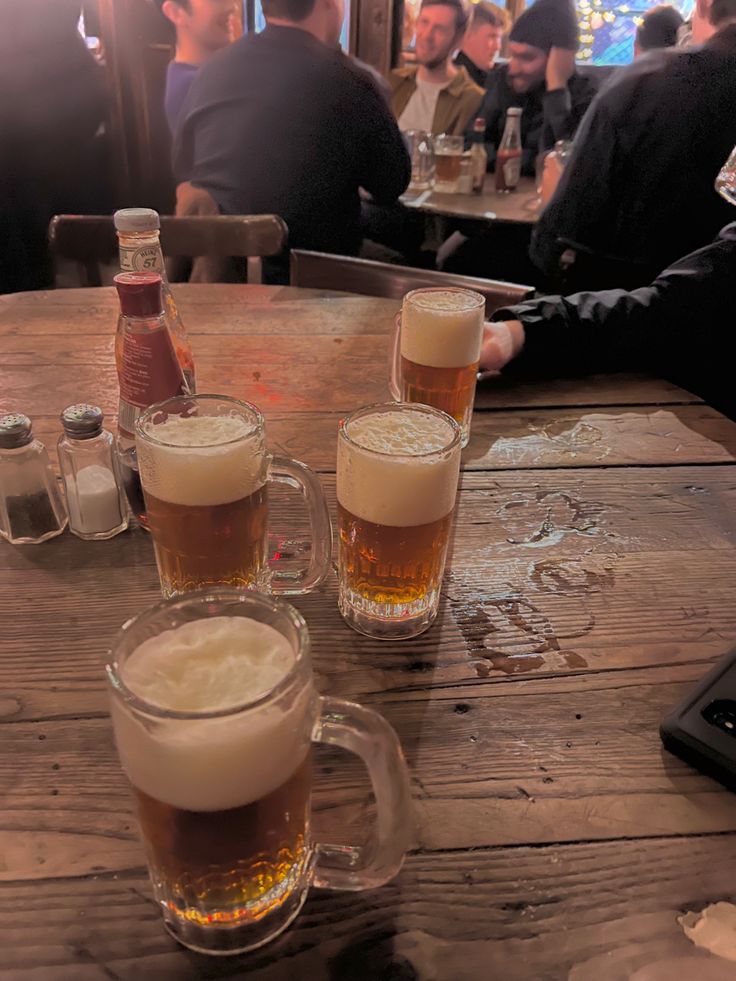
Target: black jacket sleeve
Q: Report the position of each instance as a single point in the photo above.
(385, 163)
(680, 326)
(578, 214)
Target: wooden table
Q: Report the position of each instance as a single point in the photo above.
(520, 207)
(593, 582)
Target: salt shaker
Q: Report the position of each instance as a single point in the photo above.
(31, 504)
(88, 462)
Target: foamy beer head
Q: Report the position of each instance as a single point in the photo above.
(398, 464)
(201, 460)
(442, 328)
(199, 734)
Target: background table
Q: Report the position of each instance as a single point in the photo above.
(520, 207)
(592, 583)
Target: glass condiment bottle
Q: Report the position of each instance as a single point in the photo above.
(148, 370)
(478, 155)
(508, 155)
(89, 467)
(31, 504)
(140, 251)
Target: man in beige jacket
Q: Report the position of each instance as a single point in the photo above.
(435, 95)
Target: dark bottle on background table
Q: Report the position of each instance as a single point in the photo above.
(478, 155)
(148, 370)
(508, 155)
(31, 505)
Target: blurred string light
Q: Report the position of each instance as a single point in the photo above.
(607, 28)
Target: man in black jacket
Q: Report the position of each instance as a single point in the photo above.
(283, 122)
(680, 327)
(540, 79)
(637, 192)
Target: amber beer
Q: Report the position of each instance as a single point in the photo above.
(204, 481)
(223, 802)
(397, 473)
(448, 157)
(441, 334)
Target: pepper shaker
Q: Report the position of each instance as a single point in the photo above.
(89, 467)
(31, 504)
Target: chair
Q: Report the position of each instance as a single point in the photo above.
(90, 240)
(322, 271)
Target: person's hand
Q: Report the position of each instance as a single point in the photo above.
(560, 68)
(501, 343)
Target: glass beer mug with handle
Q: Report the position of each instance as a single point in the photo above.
(397, 474)
(214, 712)
(436, 351)
(204, 471)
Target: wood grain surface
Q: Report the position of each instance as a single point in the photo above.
(520, 207)
(592, 582)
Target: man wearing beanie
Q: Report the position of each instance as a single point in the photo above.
(539, 78)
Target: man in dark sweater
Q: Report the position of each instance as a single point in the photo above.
(637, 192)
(540, 78)
(282, 122)
(680, 327)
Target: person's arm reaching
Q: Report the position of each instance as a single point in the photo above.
(686, 315)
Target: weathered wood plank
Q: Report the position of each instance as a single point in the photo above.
(521, 440)
(604, 911)
(555, 573)
(75, 325)
(528, 768)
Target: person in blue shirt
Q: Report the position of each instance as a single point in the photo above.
(202, 28)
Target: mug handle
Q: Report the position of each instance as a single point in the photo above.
(299, 477)
(394, 362)
(367, 734)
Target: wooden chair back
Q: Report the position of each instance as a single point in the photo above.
(322, 271)
(90, 240)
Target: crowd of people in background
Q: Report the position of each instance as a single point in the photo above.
(284, 122)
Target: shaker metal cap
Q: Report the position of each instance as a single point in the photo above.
(15, 431)
(136, 220)
(82, 421)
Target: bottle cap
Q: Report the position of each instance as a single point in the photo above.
(140, 294)
(82, 421)
(15, 431)
(514, 111)
(136, 220)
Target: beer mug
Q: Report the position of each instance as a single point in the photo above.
(422, 159)
(397, 473)
(448, 155)
(214, 712)
(436, 351)
(204, 471)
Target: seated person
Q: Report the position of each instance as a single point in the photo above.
(482, 41)
(540, 78)
(637, 190)
(202, 27)
(434, 95)
(659, 28)
(256, 148)
(679, 327)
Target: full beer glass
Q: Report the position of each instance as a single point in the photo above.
(397, 472)
(448, 155)
(215, 712)
(437, 349)
(205, 471)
